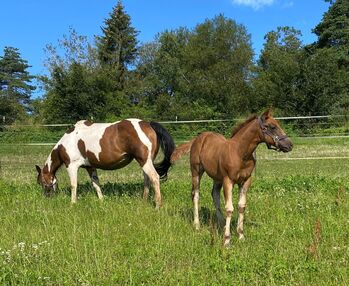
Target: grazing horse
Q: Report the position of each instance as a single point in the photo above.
(229, 162)
(109, 146)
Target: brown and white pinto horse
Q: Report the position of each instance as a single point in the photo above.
(109, 146)
(229, 162)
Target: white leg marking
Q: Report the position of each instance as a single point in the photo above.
(150, 171)
(98, 189)
(195, 198)
(73, 175)
(146, 186)
(242, 206)
(228, 186)
(95, 183)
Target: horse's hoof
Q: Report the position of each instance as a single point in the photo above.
(241, 237)
(197, 226)
(226, 243)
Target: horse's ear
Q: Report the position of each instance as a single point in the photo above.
(266, 114)
(38, 169)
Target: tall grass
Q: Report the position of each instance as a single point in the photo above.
(296, 227)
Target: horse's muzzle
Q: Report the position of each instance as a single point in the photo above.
(51, 190)
(285, 145)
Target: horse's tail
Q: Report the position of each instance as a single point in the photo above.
(167, 145)
(181, 150)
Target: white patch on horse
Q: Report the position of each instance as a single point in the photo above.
(49, 160)
(80, 122)
(91, 135)
(141, 135)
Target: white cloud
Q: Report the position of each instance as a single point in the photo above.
(255, 4)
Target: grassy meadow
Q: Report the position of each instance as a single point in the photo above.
(296, 225)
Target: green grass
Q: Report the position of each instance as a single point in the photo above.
(125, 241)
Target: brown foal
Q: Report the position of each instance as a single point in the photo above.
(229, 162)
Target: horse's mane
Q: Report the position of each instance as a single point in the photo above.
(242, 125)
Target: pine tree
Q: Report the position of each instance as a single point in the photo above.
(15, 88)
(333, 30)
(117, 48)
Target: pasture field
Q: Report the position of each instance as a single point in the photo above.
(296, 225)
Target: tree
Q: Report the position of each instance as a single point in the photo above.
(218, 66)
(278, 72)
(324, 85)
(185, 72)
(15, 84)
(74, 48)
(333, 30)
(117, 46)
(88, 81)
(326, 69)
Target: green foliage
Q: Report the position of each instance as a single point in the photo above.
(333, 30)
(15, 85)
(301, 80)
(278, 72)
(70, 99)
(326, 66)
(207, 67)
(324, 83)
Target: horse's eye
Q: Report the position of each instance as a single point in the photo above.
(272, 127)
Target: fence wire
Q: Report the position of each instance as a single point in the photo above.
(17, 142)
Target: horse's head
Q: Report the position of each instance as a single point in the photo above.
(273, 134)
(47, 180)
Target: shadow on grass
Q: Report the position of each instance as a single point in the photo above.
(108, 189)
(208, 218)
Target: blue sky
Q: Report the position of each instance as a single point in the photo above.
(31, 24)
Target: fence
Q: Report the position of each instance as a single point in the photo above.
(316, 138)
(311, 127)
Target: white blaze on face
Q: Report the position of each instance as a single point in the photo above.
(141, 135)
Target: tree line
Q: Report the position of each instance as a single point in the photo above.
(202, 73)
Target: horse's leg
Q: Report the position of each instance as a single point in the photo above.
(146, 186)
(73, 175)
(227, 187)
(242, 205)
(196, 172)
(149, 170)
(95, 181)
(216, 189)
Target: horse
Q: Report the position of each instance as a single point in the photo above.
(109, 146)
(229, 162)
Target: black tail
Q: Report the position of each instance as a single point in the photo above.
(167, 145)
